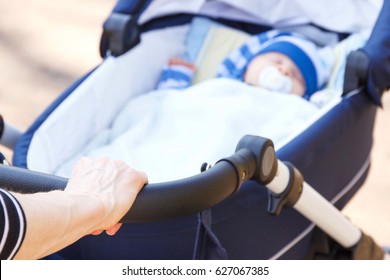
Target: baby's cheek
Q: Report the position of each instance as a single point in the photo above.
(298, 88)
(249, 78)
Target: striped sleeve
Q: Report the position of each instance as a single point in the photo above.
(13, 225)
(175, 77)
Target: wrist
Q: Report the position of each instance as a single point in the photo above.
(54, 220)
(86, 211)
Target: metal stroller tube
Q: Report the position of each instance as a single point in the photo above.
(289, 189)
(307, 201)
(8, 134)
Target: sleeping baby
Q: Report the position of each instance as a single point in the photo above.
(278, 61)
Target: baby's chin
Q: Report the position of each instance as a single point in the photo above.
(297, 92)
(298, 89)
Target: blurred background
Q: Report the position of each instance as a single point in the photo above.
(46, 45)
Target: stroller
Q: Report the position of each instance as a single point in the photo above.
(199, 216)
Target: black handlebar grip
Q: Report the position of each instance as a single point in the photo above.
(184, 197)
(155, 202)
(26, 181)
(174, 199)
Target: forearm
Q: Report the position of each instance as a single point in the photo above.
(99, 193)
(55, 220)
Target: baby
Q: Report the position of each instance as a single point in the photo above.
(277, 61)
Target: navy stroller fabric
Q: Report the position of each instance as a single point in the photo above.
(378, 52)
(207, 246)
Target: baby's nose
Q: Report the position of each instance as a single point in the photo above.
(284, 70)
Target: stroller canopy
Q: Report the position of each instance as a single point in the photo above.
(339, 15)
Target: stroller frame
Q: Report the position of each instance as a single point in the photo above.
(255, 159)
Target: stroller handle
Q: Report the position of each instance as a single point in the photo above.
(174, 199)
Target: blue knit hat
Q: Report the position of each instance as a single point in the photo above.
(314, 67)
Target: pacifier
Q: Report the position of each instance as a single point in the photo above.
(272, 79)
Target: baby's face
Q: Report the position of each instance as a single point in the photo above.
(281, 62)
